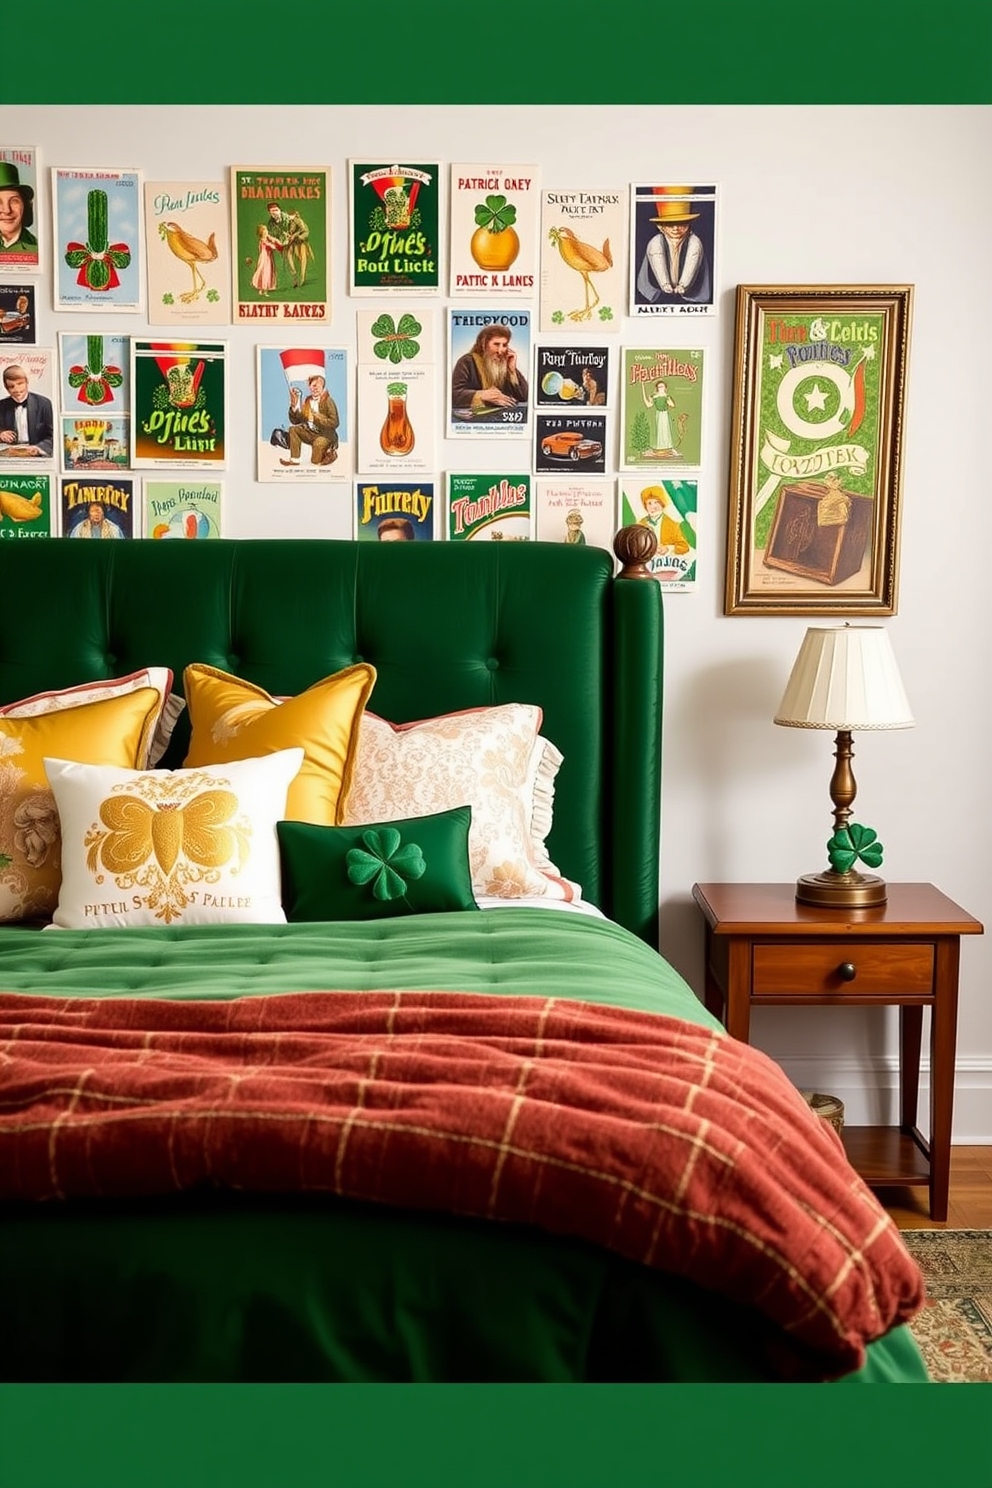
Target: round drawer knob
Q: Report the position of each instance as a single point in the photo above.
(847, 971)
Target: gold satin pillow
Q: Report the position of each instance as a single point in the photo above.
(232, 719)
(114, 731)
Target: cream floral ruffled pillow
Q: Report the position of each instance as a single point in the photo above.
(492, 759)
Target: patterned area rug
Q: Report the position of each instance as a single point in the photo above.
(954, 1330)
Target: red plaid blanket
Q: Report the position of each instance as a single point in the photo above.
(674, 1145)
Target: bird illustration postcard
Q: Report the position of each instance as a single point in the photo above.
(187, 238)
(672, 245)
(22, 235)
(576, 511)
(489, 372)
(494, 223)
(98, 231)
(281, 232)
(661, 397)
(395, 227)
(25, 505)
(303, 414)
(182, 508)
(178, 404)
(668, 507)
(583, 259)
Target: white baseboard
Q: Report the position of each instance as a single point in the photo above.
(869, 1089)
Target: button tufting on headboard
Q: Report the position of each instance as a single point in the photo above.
(492, 664)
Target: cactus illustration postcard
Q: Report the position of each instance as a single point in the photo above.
(98, 236)
(17, 318)
(661, 398)
(95, 441)
(395, 227)
(571, 376)
(94, 373)
(395, 511)
(187, 236)
(186, 509)
(25, 505)
(303, 417)
(398, 381)
(178, 406)
(576, 512)
(672, 247)
(21, 243)
(490, 508)
(99, 507)
(583, 260)
(494, 217)
(31, 442)
(489, 373)
(668, 507)
(281, 235)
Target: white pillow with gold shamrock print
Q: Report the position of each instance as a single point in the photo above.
(171, 847)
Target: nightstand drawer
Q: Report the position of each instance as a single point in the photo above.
(837, 967)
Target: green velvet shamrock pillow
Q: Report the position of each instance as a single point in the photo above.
(378, 870)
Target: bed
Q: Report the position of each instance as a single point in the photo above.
(493, 1143)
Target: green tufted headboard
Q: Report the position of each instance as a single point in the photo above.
(447, 625)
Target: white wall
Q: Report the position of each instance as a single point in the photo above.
(813, 195)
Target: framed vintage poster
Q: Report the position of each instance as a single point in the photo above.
(98, 232)
(19, 224)
(816, 449)
(395, 227)
(281, 239)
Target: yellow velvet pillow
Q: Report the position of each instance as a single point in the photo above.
(232, 719)
(114, 731)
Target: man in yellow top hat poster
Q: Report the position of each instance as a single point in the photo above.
(673, 235)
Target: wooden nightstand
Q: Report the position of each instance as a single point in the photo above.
(764, 949)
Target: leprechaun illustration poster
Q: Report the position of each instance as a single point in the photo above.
(395, 237)
(178, 404)
(280, 228)
(98, 239)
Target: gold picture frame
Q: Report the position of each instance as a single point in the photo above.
(816, 449)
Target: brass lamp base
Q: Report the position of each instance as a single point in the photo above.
(832, 890)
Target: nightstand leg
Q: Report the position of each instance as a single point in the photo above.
(738, 1021)
(910, 1042)
(712, 991)
(943, 1036)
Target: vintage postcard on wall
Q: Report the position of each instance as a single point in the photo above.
(99, 507)
(494, 217)
(25, 505)
(20, 225)
(94, 374)
(94, 441)
(303, 427)
(583, 262)
(17, 317)
(27, 417)
(577, 512)
(186, 509)
(489, 362)
(566, 376)
(178, 409)
(396, 511)
(397, 390)
(187, 248)
(661, 397)
(98, 234)
(395, 227)
(491, 508)
(672, 250)
(569, 441)
(281, 236)
(668, 507)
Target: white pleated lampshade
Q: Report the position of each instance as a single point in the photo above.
(845, 677)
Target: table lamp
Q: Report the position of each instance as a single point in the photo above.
(844, 678)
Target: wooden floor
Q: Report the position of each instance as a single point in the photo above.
(970, 1204)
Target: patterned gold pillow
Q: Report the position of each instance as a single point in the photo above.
(233, 720)
(158, 847)
(492, 759)
(115, 731)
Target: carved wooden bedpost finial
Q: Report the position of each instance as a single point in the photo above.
(635, 546)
